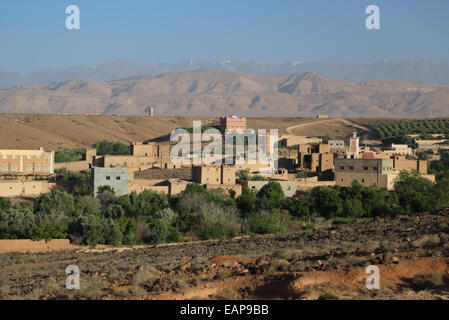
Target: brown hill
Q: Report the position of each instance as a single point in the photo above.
(218, 92)
(56, 132)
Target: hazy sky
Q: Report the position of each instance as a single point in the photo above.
(33, 33)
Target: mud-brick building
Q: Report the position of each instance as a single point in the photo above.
(315, 158)
(368, 172)
(26, 163)
(214, 174)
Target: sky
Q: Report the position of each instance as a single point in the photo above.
(33, 35)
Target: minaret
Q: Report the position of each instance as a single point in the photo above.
(354, 144)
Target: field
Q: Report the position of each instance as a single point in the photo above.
(57, 132)
(326, 261)
(394, 128)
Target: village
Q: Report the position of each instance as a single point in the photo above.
(302, 163)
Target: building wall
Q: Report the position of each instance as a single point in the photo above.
(89, 154)
(233, 123)
(143, 150)
(74, 166)
(138, 187)
(237, 188)
(15, 188)
(176, 186)
(289, 187)
(214, 174)
(127, 161)
(228, 175)
(326, 161)
(116, 178)
(317, 158)
(368, 172)
(260, 168)
(337, 144)
(402, 149)
(26, 162)
(403, 164)
(292, 140)
(308, 184)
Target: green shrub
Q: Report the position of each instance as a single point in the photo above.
(69, 155)
(5, 204)
(106, 147)
(270, 197)
(213, 232)
(265, 223)
(327, 201)
(48, 230)
(16, 223)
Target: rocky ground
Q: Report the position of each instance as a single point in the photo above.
(328, 261)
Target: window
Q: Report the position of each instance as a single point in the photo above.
(365, 168)
(108, 178)
(29, 168)
(117, 178)
(46, 168)
(363, 180)
(351, 168)
(5, 157)
(342, 168)
(38, 157)
(14, 157)
(29, 157)
(38, 168)
(4, 168)
(374, 168)
(46, 157)
(13, 168)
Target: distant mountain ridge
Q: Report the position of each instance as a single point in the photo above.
(421, 71)
(220, 92)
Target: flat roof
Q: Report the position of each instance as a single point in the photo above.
(17, 152)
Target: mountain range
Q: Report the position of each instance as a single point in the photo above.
(222, 92)
(421, 71)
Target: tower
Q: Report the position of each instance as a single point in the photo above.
(354, 144)
(151, 111)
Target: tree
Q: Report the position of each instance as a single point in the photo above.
(353, 207)
(246, 202)
(5, 204)
(106, 147)
(327, 201)
(16, 223)
(415, 193)
(56, 202)
(271, 196)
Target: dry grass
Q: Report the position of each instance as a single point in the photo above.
(56, 132)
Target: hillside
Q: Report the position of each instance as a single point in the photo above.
(56, 132)
(213, 93)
